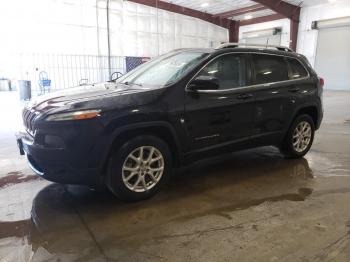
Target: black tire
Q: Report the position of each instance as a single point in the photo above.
(115, 168)
(287, 147)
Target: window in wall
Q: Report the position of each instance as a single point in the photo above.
(270, 69)
(229, 69)
(296, 68)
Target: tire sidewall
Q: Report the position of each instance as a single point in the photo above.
(116, 161)
(288, 143)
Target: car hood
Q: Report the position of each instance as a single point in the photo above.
(102, 96)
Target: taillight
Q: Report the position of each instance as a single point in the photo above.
(321, 81)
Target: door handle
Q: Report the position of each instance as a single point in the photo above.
(244, 96)
(294, 90)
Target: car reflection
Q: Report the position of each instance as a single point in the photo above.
(73, 219)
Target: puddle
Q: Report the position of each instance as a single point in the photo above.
(301, 195)
(16, 178)
(19, 228)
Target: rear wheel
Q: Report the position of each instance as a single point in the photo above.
(139, 168)
(299, 138)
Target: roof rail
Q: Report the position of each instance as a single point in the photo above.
(232, 45)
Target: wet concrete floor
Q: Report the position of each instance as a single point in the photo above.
(250, 206)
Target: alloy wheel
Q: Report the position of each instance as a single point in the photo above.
(143, 168)
(302, 136)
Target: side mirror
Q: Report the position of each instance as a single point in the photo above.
(204, 83)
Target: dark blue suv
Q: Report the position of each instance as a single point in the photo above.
(183, 106)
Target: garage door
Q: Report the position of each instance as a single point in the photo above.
(333, 57)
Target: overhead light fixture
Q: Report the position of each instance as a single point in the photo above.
(204, 4)
(248, 17)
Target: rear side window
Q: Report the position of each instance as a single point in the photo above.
(270, 69)
(297, 70)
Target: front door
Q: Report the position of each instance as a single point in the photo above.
(222, 117)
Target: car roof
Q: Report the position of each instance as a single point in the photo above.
(256, 51)
(260, 50)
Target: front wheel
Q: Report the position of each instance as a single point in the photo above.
(299, 137)
(139, 168)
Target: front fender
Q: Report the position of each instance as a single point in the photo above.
(139, 128)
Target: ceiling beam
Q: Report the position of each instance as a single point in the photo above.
(261, 19)
(223, 22)
(283, 8)
(241, 11)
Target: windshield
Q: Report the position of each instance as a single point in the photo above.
(163, 70)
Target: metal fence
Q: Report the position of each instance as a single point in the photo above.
(66, 70)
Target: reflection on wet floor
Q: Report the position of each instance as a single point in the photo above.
(217, 188)
(94, 222)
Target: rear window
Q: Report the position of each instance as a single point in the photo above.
(270, 69)
(297, 70)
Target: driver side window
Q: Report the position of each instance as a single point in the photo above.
(230, 70)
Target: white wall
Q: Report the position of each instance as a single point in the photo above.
(138, 30)
(48, 26)
(78, 27)
(307, 38)
(72, 27)
(283, 23)
(67, 38)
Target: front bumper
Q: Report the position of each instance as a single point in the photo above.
(53, 164)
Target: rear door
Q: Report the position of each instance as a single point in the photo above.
(223, 117)
(303, 86)
(274, 102)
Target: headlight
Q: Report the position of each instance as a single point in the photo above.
(77, 115)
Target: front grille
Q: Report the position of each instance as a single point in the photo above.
(28, 119)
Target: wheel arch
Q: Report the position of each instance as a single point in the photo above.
(310, 110)
(162, 130)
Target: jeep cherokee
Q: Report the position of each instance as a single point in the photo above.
(183, 106)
